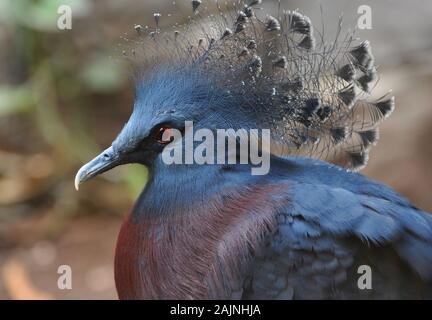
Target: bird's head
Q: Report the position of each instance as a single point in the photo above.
(249, 72)
(164, 103)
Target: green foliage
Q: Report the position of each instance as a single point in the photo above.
(134, 177)
(60, 85)
(14, 100)
(39, 15)
(100, 74)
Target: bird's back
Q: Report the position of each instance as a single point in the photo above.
(338, 226)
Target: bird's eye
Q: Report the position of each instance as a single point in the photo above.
(164, 134)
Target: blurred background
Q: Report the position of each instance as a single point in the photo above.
(64, 94)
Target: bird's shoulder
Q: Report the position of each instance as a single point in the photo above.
(335, 222)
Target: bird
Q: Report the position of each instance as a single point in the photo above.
(308, 227)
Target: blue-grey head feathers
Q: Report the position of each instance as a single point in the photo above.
(267, 71)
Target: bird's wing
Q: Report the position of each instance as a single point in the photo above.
(328, 232)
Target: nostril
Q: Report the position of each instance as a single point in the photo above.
(106, 156)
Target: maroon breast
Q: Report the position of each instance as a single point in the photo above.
(198, 253)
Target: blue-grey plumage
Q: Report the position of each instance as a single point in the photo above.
(337, 221)
(302, 230)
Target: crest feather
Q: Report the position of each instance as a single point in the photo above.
(311, 93)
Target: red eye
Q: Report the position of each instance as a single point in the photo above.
(164, 134)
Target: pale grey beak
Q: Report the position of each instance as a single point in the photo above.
(106, 160)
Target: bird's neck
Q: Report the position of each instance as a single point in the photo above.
(189, 241)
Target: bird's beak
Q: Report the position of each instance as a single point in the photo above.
(106, 160)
